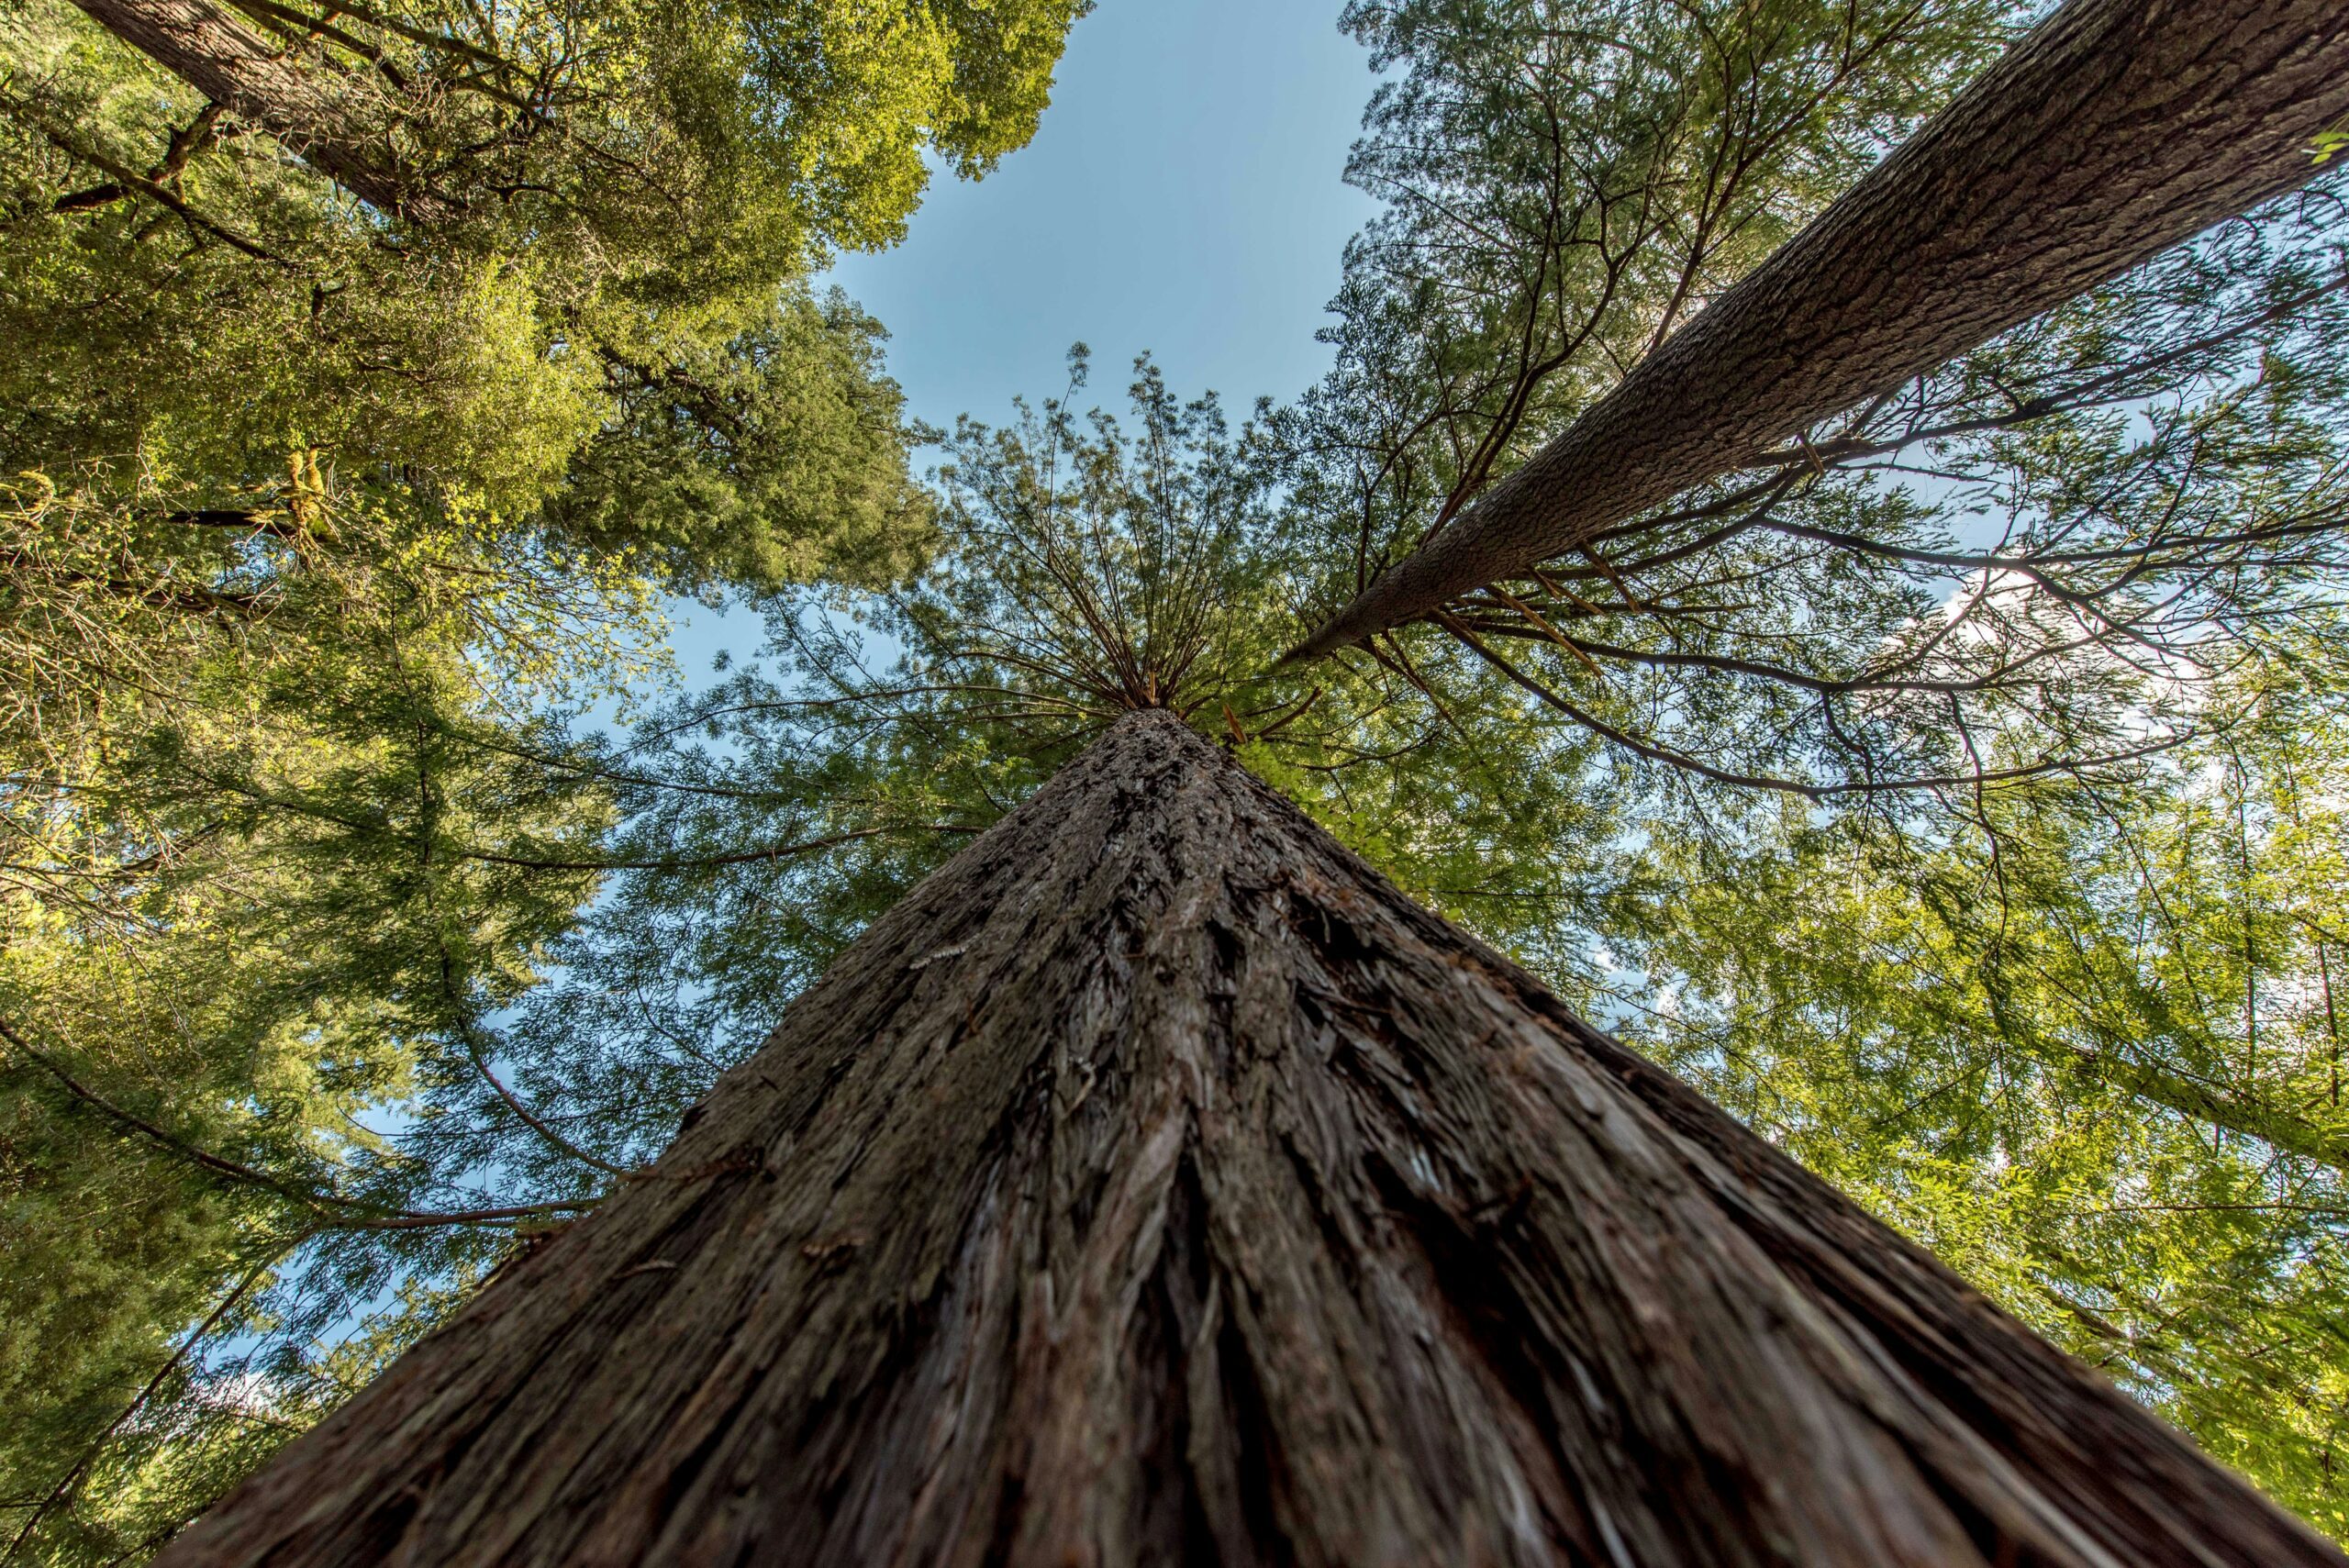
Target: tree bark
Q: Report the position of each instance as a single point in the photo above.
(336, 122)
(2117, 129)
(1156, 1184)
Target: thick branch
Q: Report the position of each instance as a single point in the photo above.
(2278, 1129)
(336, 123)
(2115, 130)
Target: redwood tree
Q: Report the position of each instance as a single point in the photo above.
(1156, 1184)
(341, 121)
(2115, 130)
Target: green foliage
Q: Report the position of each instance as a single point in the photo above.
(1957, 796)
(769, 457)
(2090, 1055)
(2329, 144)
(346, 439)
(599, 326)
(248, 912)
(1980, 752)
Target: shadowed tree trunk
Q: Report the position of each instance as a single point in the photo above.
(1156, 1184)
(339, 123)
(2116, 129)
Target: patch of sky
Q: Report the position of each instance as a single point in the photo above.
(1184, 197)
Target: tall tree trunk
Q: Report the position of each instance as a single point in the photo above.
(339, 123)
(2117, 129)
(2198, 1100)
(1156, 1184)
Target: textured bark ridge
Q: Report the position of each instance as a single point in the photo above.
(1156, 1184)
(2116, 129)
(336, 125)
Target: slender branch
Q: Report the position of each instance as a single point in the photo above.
(745, 857)
(1678, 759)
(72, 1478)
(469, 1036)
(318, 1202)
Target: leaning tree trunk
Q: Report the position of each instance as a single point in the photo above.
(339, 123)
(2115, 130)
(1156, 1184)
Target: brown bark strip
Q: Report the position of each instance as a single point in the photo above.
(1156, 1184)
(2116, 129)
(336, 123)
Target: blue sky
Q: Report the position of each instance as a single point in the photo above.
(1183, 195)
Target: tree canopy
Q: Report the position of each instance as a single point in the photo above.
(1956, 796)
(588, 313)
(372, 374)
(2034, 185)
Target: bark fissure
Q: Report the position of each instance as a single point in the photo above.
(1155, 1184)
